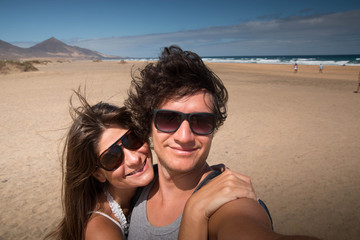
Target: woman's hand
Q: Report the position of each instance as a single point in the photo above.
(227, 186)
(201, 205)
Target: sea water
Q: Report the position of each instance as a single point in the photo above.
(341, 60)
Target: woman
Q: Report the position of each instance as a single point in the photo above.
(104, 162)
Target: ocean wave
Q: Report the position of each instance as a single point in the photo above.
(336, 60)
(286, 60)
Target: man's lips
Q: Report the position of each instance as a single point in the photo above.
(138, 170)
(181, 149)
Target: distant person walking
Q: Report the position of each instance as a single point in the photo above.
(295, 68)
(358, 86)
(320, 68)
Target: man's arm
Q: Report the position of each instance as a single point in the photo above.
(201, 205)
(244, 219)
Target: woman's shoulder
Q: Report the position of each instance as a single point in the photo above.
(102, 226)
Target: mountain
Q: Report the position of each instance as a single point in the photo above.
(50, 48)
(6, 49)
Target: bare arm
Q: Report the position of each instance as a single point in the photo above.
(244, 218)
(99, 228)
(224, 188)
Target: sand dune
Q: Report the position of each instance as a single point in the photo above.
(296, 135)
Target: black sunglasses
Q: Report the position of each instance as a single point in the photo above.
(169, 121)
(112, 157)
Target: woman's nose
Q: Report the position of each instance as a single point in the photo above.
(132, 157)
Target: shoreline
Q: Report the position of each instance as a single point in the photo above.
(229, 62)
(207, 61)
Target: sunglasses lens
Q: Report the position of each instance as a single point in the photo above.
(112, 158)
(167, 121)
(132, 141)
(202, 123)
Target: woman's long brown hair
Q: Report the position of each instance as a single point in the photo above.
(80, 189)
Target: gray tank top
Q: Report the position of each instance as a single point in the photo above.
(140, 228)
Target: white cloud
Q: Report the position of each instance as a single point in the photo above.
(337, 33)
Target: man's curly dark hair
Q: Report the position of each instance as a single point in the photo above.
(177, 74)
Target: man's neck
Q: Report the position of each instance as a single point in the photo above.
(172, 182)
(170, 193)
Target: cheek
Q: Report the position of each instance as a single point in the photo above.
(145, 151)
(117, 175)
(159, 141)
(206, 142)
(156, 137)
(155, 144)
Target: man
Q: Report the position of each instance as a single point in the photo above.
(180, 103)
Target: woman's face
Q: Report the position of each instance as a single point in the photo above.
(136, 168)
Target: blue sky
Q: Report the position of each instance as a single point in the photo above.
(140, 28)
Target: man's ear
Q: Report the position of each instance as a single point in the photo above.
(99, 175)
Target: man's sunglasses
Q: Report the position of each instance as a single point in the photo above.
(201, 123)
(112, 157)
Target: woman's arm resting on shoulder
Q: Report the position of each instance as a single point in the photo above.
(100, 227)
(243, 219)
(201, 205)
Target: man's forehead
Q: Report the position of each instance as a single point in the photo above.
(188, 98)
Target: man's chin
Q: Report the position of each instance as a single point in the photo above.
(182, 167)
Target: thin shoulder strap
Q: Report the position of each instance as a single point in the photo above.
(210, 176)
(107, 216)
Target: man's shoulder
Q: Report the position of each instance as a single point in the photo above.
(207, 179)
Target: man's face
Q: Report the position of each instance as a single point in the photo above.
(183, 151)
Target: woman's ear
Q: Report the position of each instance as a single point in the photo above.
(99, 175)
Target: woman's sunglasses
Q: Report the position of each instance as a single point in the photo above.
(169, 121)
(112, 157)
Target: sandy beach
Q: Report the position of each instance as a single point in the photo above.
(297, 135)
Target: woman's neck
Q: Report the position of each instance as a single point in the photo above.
(123, 197)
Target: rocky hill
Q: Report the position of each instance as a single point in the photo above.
(51, 48)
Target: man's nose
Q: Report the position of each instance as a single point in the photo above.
(184, 132)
